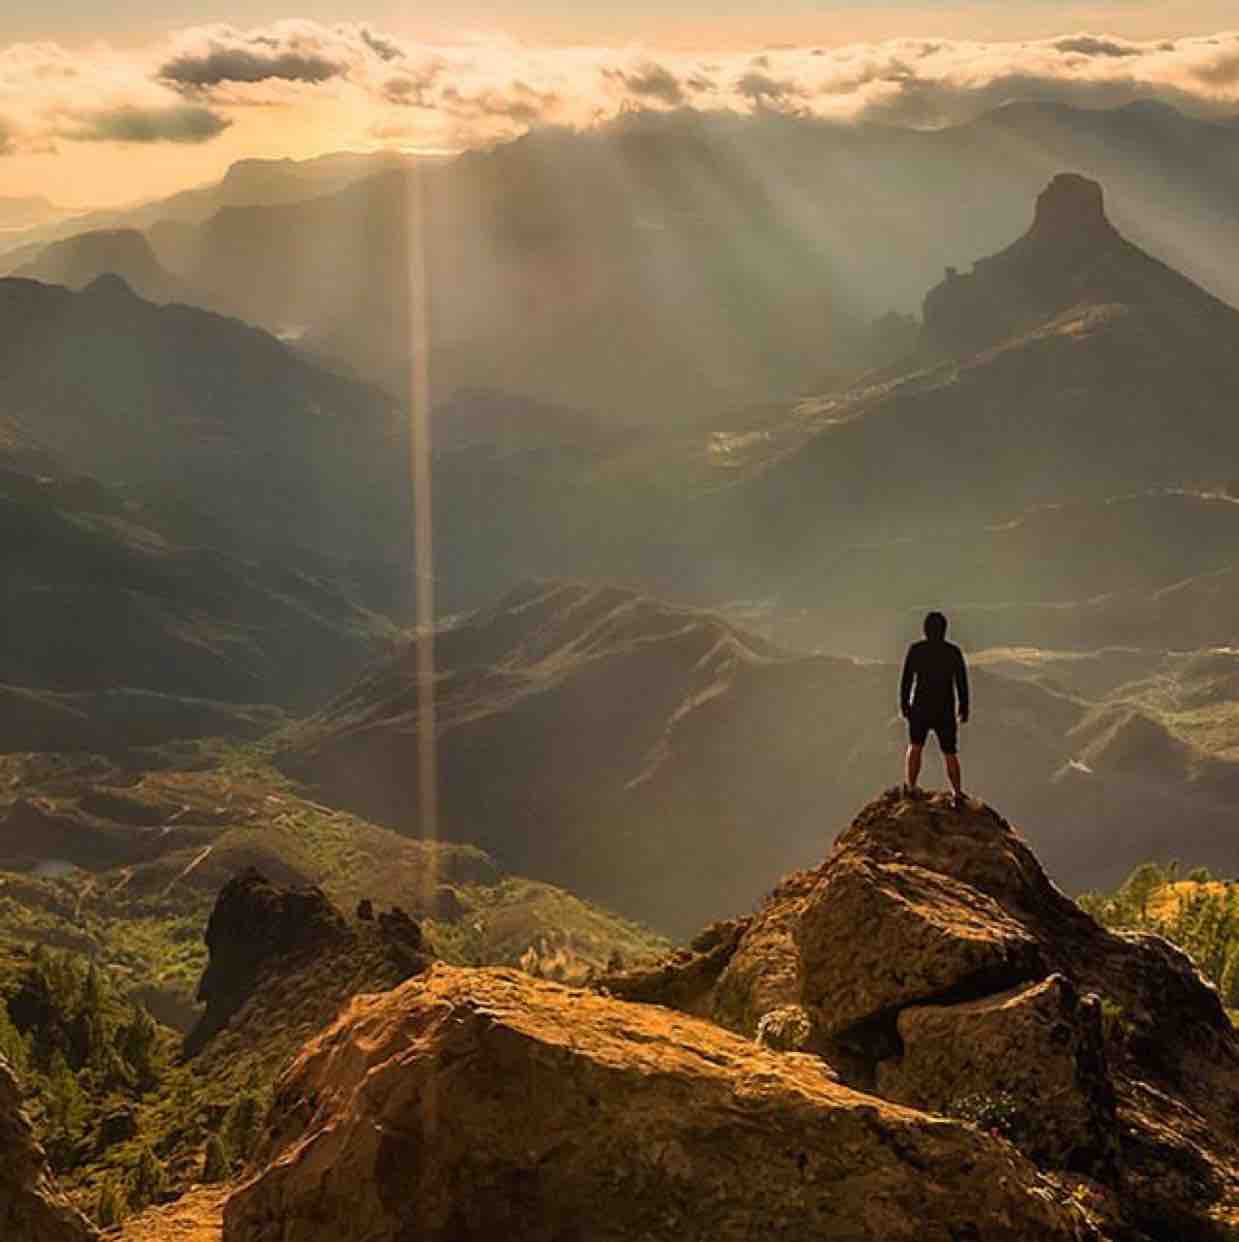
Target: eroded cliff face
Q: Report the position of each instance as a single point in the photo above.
(931, 962)
(31, 1209)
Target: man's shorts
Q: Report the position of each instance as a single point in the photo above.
(946, 728)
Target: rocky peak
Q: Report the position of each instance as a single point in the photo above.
(930, 960)
(254, 924)
(111, 286)
(1070, 209)
(1071, 255)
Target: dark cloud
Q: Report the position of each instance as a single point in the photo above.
(412, 89)
(651, 81)
(383, 47)
(763, 91)
(1091, 45)
(922, 101)
(179, 123)
(521, 104)
(257, 61)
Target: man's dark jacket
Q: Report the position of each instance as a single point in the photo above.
(936, 668)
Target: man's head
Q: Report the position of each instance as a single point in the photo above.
(935, 626)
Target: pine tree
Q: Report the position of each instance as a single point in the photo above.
(66, 1105)
(148, 1180)
(13, 1046)
(110, 1205)
(216, 1167)
(240, 1128)
(138, 1043)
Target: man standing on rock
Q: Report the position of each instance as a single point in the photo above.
(932, 673)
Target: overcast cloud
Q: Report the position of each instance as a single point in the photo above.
(189, 89)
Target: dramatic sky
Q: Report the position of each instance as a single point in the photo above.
(103, 103)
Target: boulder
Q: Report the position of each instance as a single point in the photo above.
(1030, 1062)
(875, 937)
(31, 1209)
(470, 1105)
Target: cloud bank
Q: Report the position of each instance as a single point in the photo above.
(378, 87)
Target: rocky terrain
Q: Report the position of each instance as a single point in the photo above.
(977, 989)
(985, 1061)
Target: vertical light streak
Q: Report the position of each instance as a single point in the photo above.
(423, 585)
(423, 531)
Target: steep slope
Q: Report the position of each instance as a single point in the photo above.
(175, 631)
(270, 448)
(30, 1208)
(83, 258)
(639, 753)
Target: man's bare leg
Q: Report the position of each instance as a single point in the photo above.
(912, 766)
(952, 774)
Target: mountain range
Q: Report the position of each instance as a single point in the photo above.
(736, 258)
(628, 750)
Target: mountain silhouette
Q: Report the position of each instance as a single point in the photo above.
(208, 412)
(79, 260)
(1071, 366)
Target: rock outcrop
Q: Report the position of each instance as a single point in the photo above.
(283, 961)
(929, 960)
(31, 1209)
(1072, 256)
(472, 1105)
(255, 923)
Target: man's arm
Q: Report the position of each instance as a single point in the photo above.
(905, 685)
(961, 687)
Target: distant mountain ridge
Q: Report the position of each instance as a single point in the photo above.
(118, 635)
(83, 258)
(629, 750)
(275, 449)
